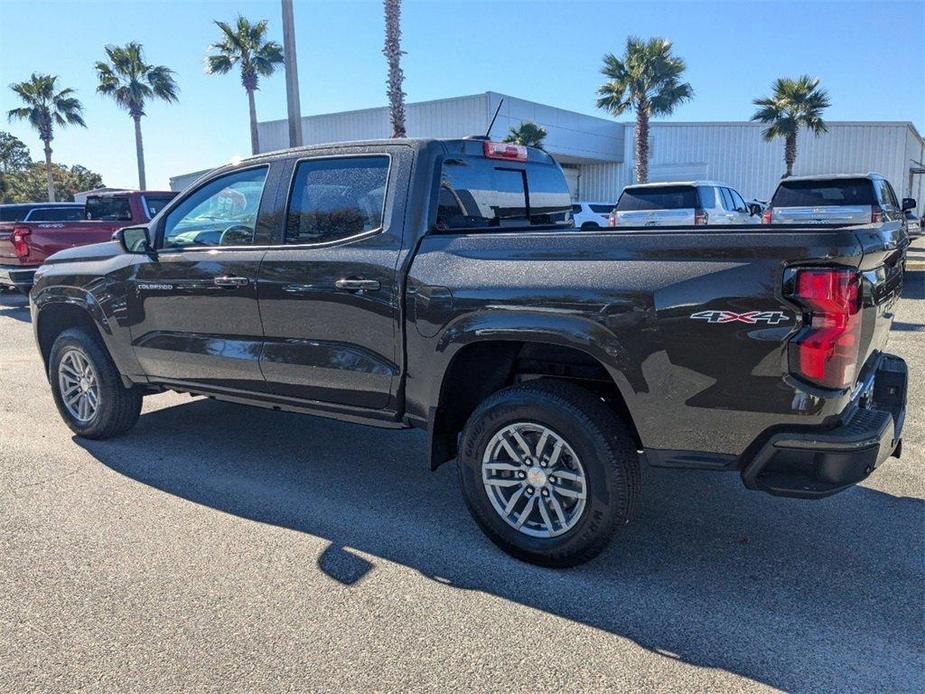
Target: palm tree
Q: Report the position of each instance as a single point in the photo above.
(527, 134)
(45, 108)
(129, 80)
(795, 104)
(245, 45)
(646, 79)
(393, 52)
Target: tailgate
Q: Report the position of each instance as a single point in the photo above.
(826, 214)
(641, 218)
(47, 238)
(882, 271)
(7, 253)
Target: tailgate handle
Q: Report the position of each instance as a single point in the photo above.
(226, 281)
(354, 284)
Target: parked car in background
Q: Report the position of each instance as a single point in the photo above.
(591, 215)
(835, 199)
(681, 203)
(26, 243)
(913, 224)
(41, 212)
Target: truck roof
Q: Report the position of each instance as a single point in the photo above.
(662, 184)
(465, 143)
(827, 177)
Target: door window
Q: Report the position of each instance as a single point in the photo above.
(737, 201)
(707, 197)
(334, 199)
(886, 195)
(223, 212)
(727, 200)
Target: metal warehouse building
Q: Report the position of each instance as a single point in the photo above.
(597, 153)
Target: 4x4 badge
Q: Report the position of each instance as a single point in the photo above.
(750, 317)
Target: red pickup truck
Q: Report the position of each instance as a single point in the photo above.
(25, 245)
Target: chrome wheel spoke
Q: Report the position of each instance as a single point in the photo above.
(502, 467)
(545, 514)
(566, 475)
(515, 497)
(570, 493)
(557, 508)
(527, 510)
(502, 482)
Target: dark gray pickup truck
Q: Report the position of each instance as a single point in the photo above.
(440, 284)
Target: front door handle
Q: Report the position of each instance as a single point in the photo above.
(354, 284)
(226, 281)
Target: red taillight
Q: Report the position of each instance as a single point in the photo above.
(613, 219)
(766, 216)
(826, 351)
(504, 150)
(700, 217)
(876, 214)
(18, 237)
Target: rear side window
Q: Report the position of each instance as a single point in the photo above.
(886, 195)
(843, 191)
(155, 203)
(602, 209)
(111, 208)
(658, 198)
(336, 198)
(576, 209)
(56, 214)
(707, 197)
(13, 213)
(728, 203)
(477, 192)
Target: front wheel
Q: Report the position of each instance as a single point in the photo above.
(87, 387)
(549, 472)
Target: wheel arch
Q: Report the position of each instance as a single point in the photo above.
(501, 358)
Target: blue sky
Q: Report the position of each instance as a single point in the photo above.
(869, 55)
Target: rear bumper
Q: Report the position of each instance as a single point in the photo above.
(818, 463)
(16, 276)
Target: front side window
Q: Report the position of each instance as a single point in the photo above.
(334, 199)
(112, 208)
(223, 212)
(728, 205)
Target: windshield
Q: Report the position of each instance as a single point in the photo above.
(658, 198)
(837, 192)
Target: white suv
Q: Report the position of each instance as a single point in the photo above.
(682, 204)
(591, 215)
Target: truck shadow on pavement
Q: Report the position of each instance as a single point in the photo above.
(14, 305)
(792, 594)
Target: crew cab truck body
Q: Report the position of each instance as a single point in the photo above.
(438, 284)
(26, 243)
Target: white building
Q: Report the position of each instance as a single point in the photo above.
(596, 153)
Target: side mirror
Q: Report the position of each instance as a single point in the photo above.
(909, 204)
(133, 239)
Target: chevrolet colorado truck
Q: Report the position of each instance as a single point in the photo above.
(440, 284)
(26, 243)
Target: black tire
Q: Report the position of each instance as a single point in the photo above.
(118, 407)
(590, 226)
(601, 440)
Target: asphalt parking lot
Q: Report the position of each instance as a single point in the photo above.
(221, 547)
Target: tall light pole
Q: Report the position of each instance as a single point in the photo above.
(292, 77)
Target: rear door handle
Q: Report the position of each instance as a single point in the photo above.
(226, 281)
(354, 284)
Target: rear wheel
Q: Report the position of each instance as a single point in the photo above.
(590, 226)
(87, 387)
(549, 472)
